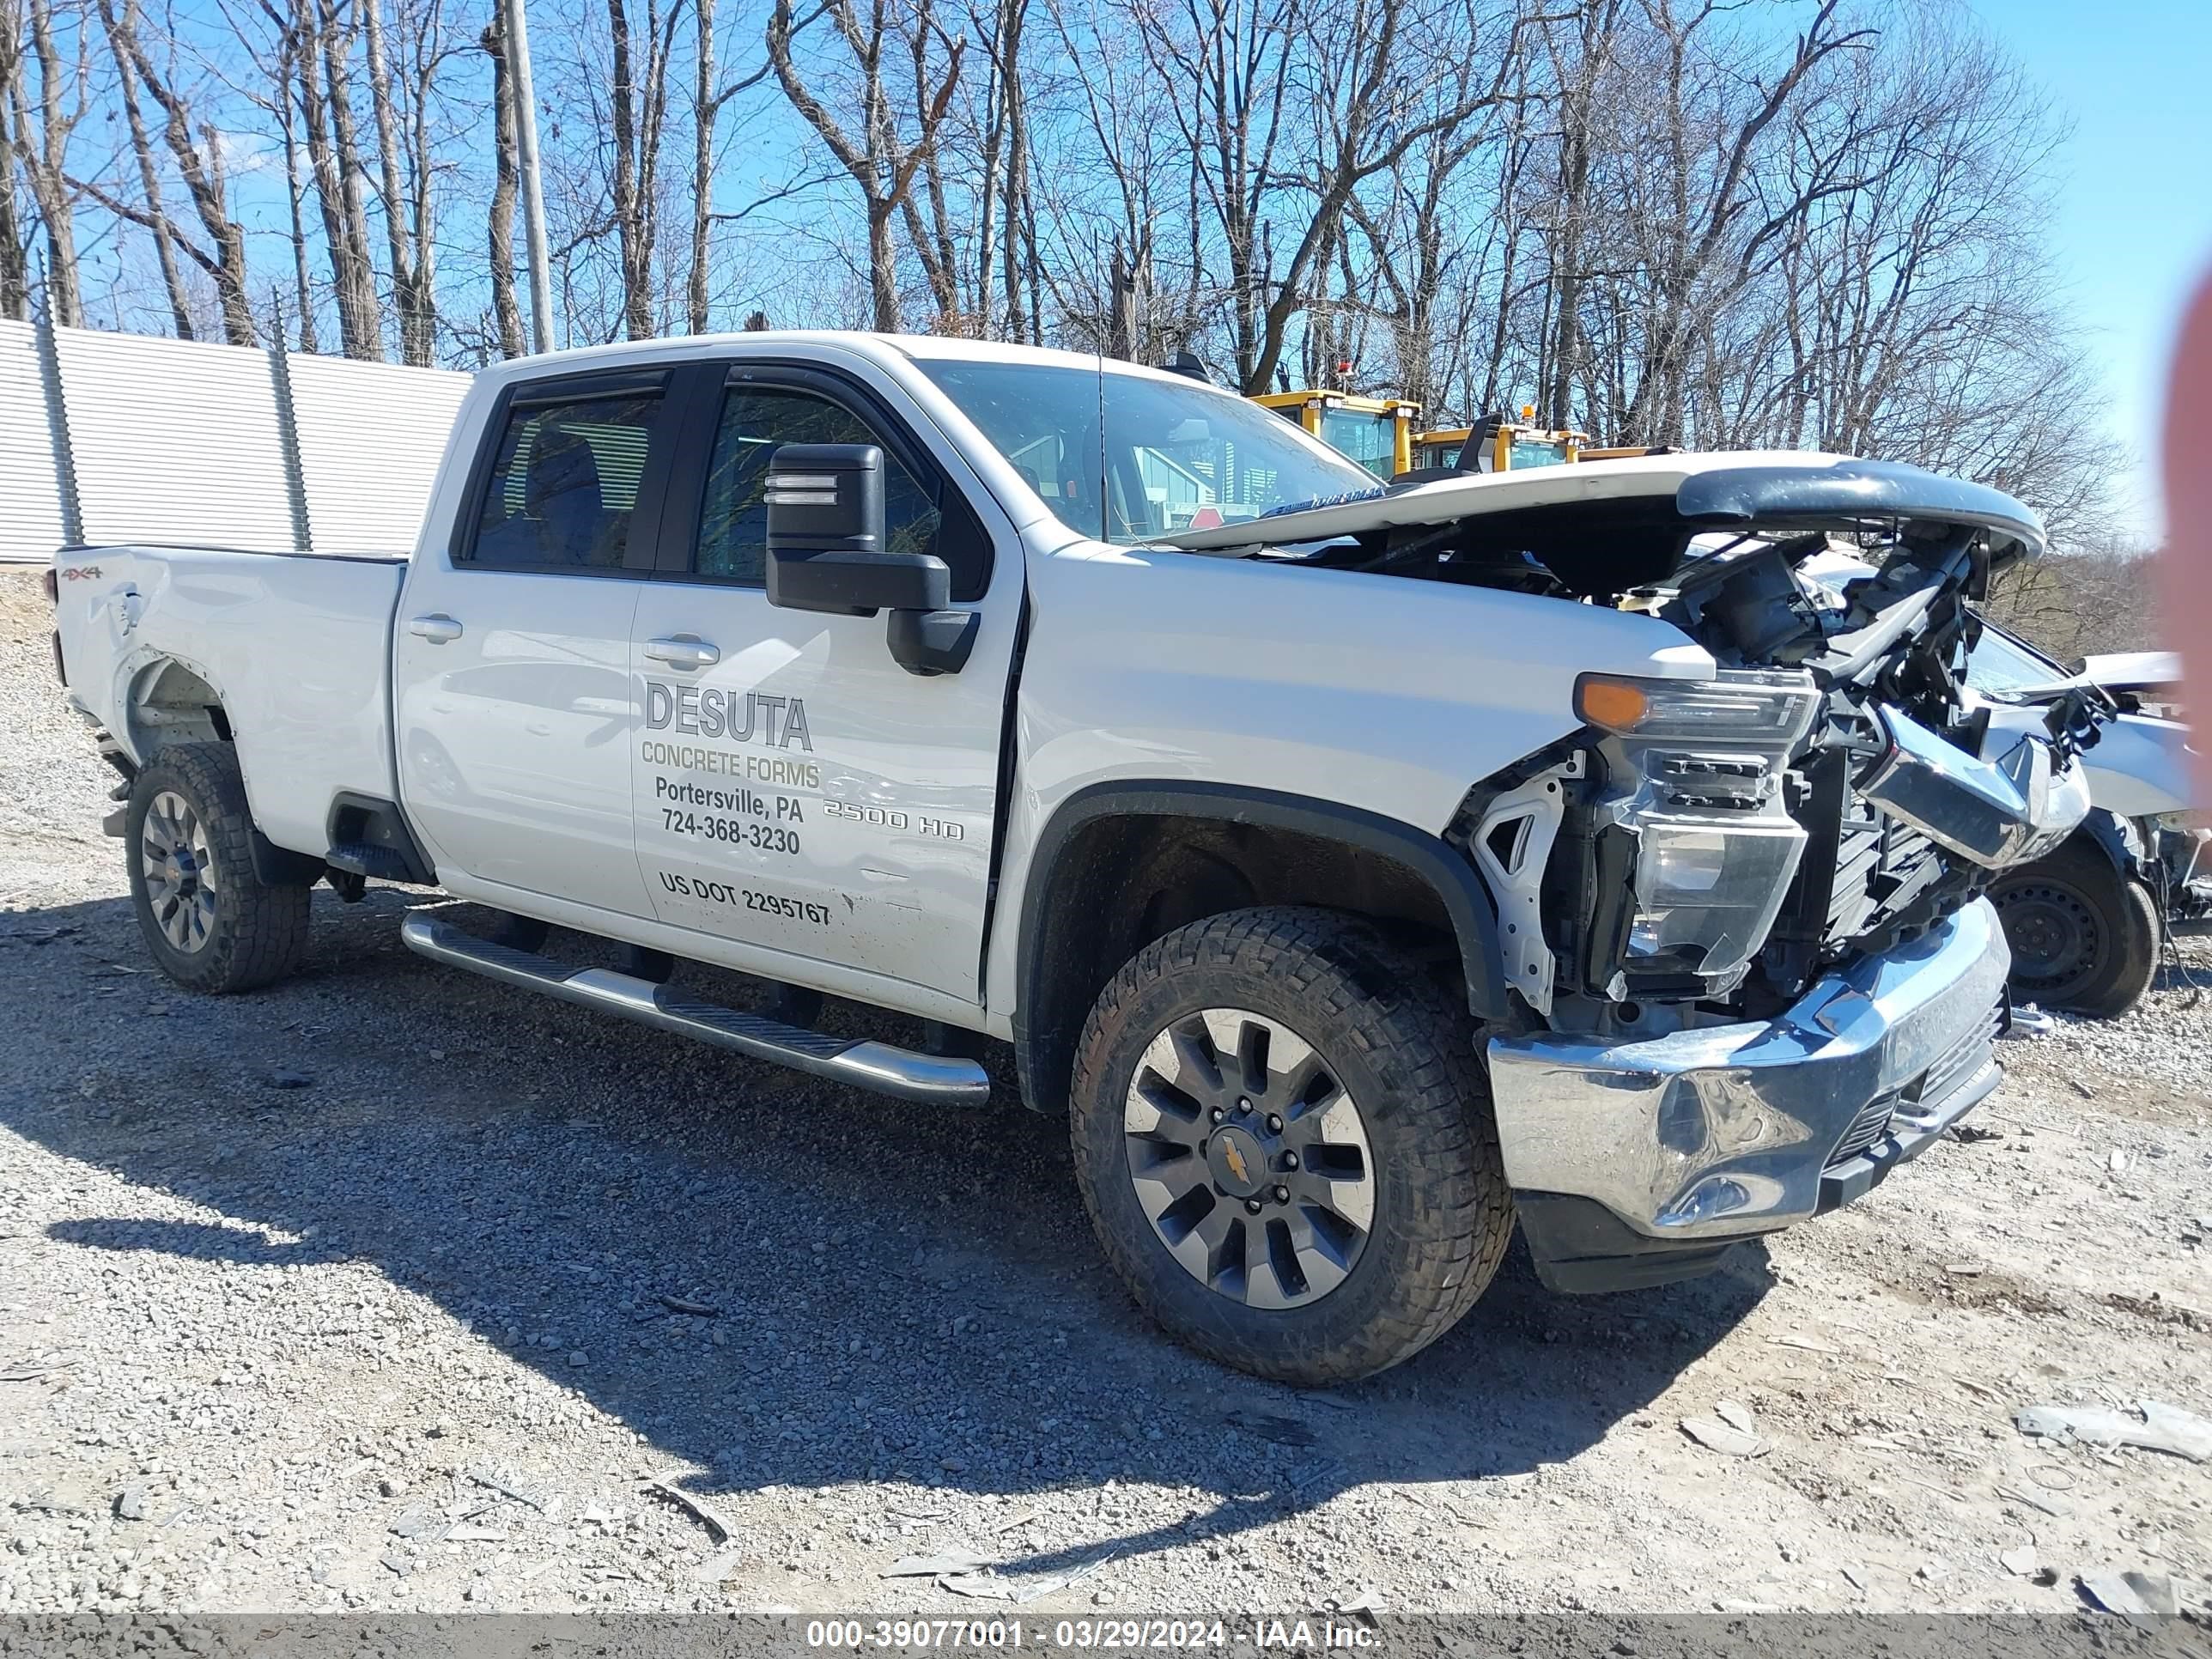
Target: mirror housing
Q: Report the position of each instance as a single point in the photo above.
(826, 553)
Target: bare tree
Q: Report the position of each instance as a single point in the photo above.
(198, 159)
(404, 124)
(499, 220)
(639, 109)
(15, 271)
(42, 142)
(881, 160)
(323, 44)
(286, 110)
(149, 181)
(14, 268)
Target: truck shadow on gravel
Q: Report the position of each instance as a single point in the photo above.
(897, 1295)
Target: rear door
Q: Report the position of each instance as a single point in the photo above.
(511, 660)
(798, 791)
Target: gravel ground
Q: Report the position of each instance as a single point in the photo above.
(389, 1288)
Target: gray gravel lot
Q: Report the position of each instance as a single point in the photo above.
(414, 1331)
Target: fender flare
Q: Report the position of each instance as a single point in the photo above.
(1436, 862)
(2115, 837)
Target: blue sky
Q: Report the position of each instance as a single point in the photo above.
(2134, 228)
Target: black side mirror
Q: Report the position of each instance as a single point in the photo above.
(826, 553)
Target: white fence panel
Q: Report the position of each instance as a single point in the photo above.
(30, 500)
(176, 441)
(370, 437)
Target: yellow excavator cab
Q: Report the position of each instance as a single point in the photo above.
(1375, 432)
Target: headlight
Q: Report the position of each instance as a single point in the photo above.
(1697, 769)
(1706, 894)
(1746, 706)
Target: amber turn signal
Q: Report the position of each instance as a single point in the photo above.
(1615, 705)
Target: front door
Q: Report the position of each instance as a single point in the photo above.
(512, 666)
(797, 789)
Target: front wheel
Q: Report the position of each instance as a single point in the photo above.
(210, 922)
(2084, 936)
(1285, 1145)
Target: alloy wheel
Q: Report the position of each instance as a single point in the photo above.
(1250, 1159)
(179, 872)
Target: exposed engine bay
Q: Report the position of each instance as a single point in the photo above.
(1707, 851)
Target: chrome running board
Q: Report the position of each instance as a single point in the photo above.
(926, 1079)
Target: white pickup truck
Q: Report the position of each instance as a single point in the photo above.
(1357, 868)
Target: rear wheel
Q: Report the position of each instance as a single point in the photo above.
(209, 921)
(2084, 936)
(1285, 1145)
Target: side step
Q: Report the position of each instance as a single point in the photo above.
(899, 1072)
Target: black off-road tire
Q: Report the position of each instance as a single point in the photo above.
(258, 932)
(1442, 1213)
(2110, 920)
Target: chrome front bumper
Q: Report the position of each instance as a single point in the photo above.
(1733, 1130)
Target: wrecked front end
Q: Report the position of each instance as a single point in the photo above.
(1744, 916)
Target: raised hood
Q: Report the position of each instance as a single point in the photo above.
(1656, 499)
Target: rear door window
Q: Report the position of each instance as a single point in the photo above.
(566, 480)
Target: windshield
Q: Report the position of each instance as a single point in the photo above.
(2000, 666)
(1370, 439)
(1178, 456)
(1531, 451)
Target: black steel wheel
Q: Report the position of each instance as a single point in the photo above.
(2084, 936)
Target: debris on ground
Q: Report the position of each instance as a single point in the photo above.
(698, 1506)
(983, 1586)
(944, 1562)
(723, 1564)
(1737, 1415)
(1722, 1438)
(2020, 1561)
(506, 1488)
(2155, 1426)
(2136, 1596)
(1363, 1607)
(1036, 1589)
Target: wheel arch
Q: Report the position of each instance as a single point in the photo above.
(1123, 862)
(169, 701)
(2116, 838)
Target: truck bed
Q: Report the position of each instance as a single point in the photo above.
(296, 647)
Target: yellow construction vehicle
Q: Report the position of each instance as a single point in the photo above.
(1504, 446)
(1375, 432)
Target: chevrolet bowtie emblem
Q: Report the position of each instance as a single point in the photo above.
(1235, 1161)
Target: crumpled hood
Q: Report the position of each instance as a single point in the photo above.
(1673, 496)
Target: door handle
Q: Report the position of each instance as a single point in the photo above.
(438, 629)
(683, 651)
